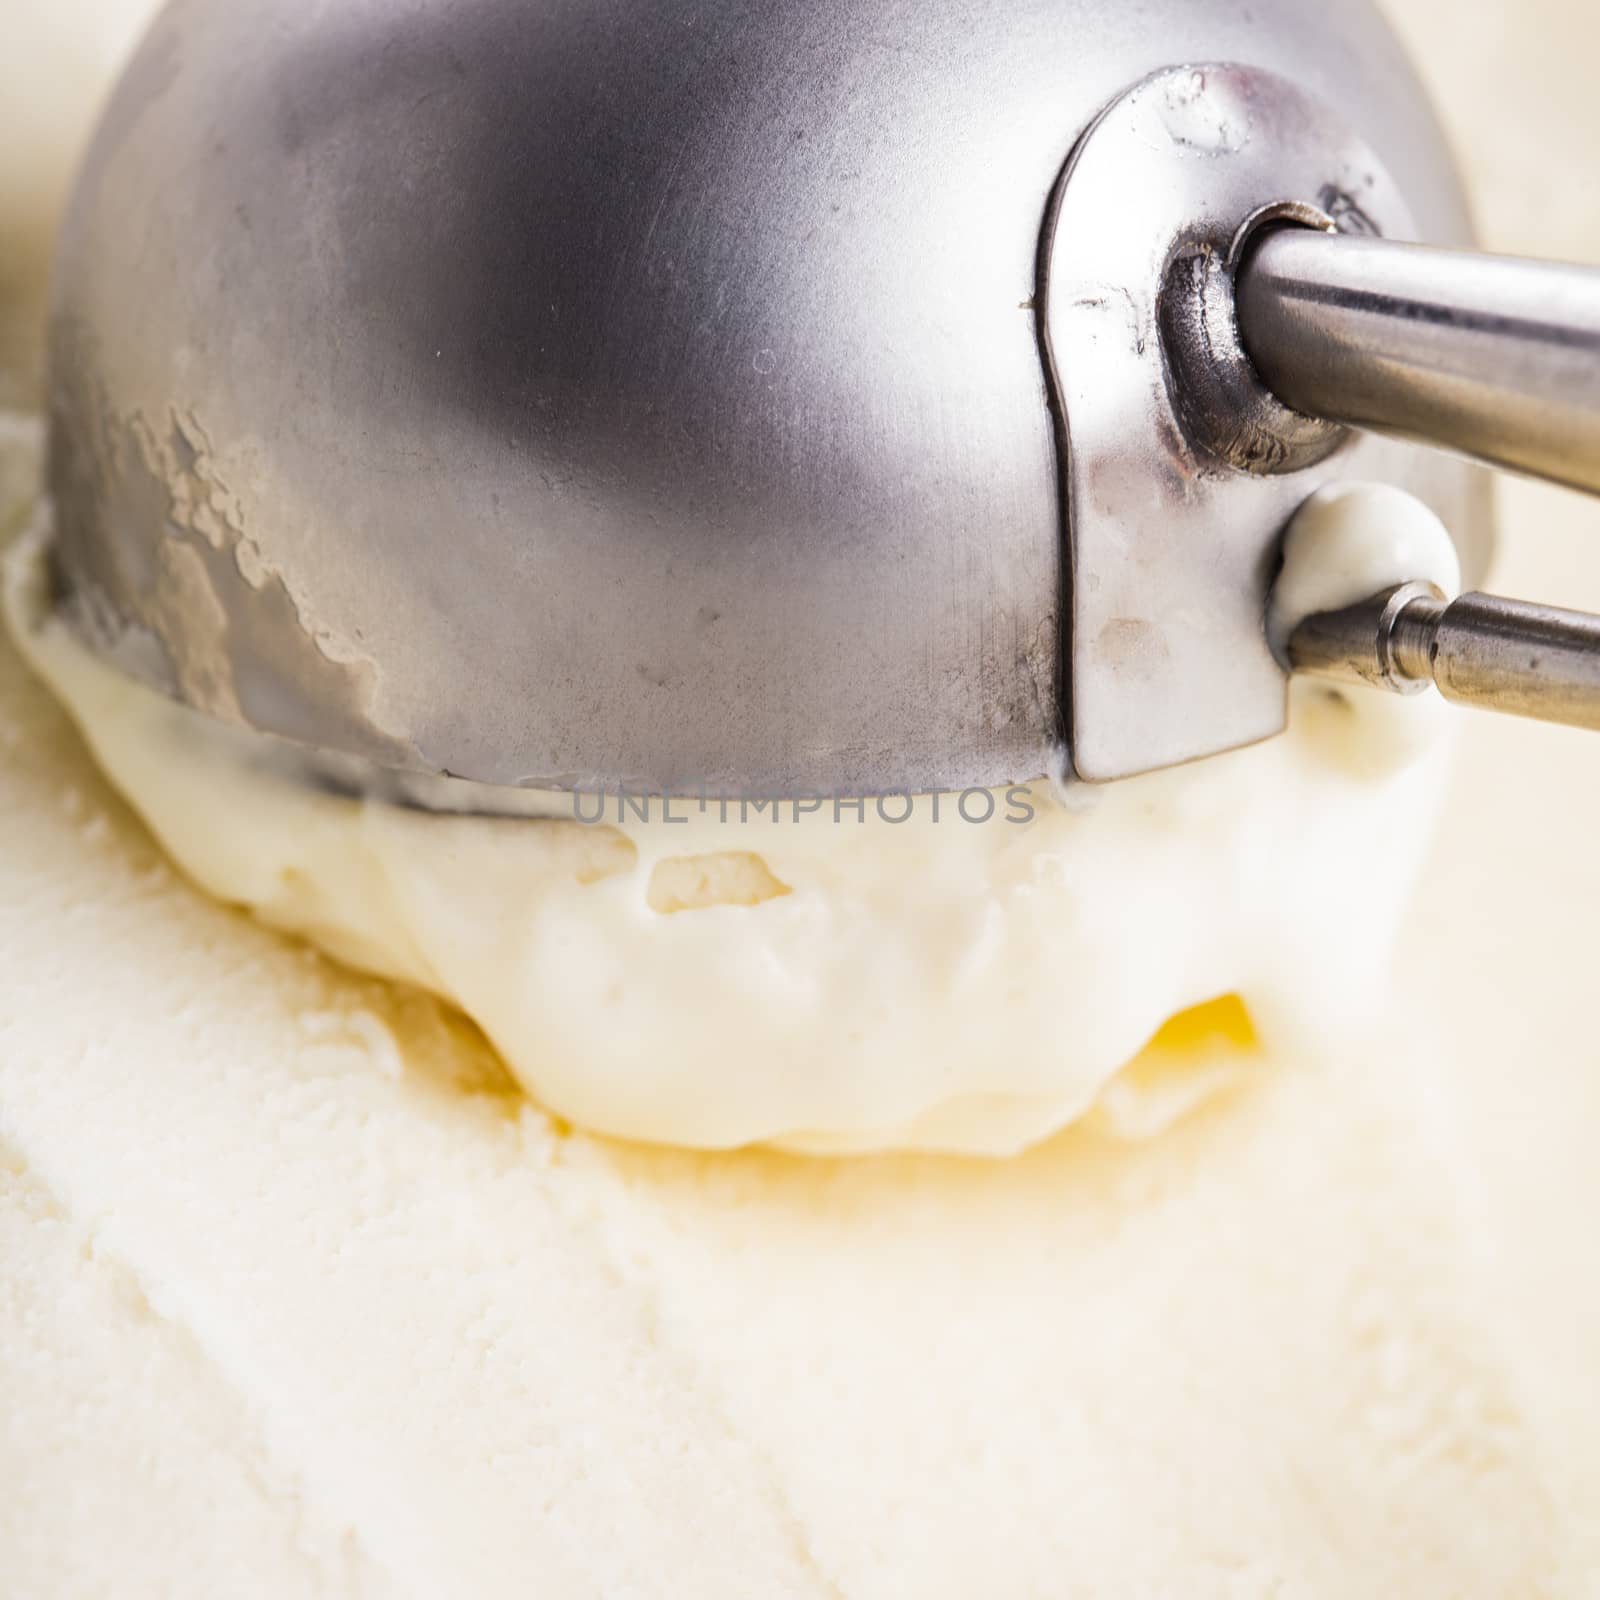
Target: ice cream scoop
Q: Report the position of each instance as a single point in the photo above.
(845, 398)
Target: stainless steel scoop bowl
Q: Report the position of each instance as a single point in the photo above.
(749, 398)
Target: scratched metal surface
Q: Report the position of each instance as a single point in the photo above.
(549, 392)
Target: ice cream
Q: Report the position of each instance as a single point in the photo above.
(54, 67)
(969, 975)
(301, 1298)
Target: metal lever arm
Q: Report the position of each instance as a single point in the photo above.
(1481, 650)
(1493, 356)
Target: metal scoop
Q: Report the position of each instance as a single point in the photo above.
(468, 396)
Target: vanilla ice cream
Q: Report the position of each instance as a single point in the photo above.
(302, 1296)
(54, 67)
(835, 979)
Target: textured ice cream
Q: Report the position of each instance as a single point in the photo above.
(300, 1299)
(54, 64)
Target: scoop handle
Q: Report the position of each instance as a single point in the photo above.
(1481, 650)
(1496, 357)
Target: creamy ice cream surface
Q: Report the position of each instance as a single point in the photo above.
(970, 975)
(54, 66)
(302, 1297)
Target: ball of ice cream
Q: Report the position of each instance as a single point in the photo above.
(942, 972)
(55, 65)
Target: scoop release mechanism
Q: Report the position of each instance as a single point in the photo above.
(1481, 650)
(1494, 357)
